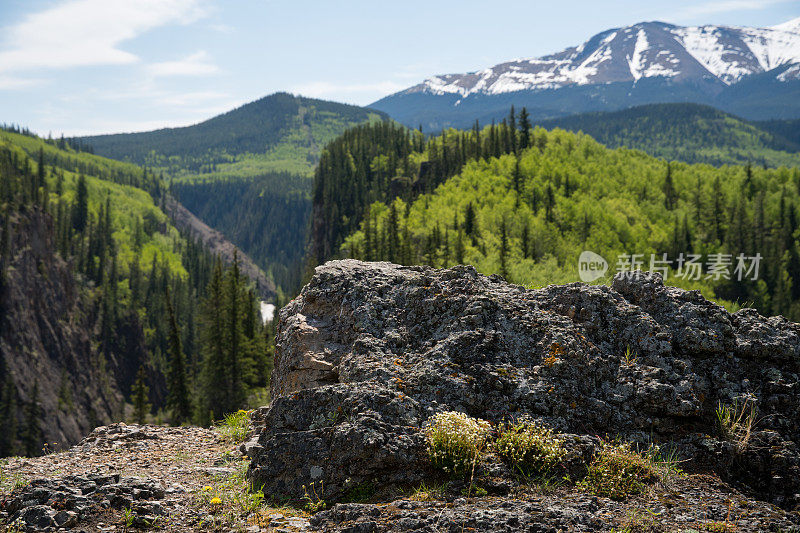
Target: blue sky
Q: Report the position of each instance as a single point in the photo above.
(101, 66)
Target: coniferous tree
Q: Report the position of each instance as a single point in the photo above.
(470, 222)
(233, 325)
(178, 386)
(670, 196)
(459, 247)
(517, 178)
(32, 438)
(140, 394)
(215, 375)
(80, 213)
(549, 203)
(524, 129)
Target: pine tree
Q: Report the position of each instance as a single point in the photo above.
(748, 186)
(470, 222)
(550, 202)
(517, 178)
(233, 325)
(524, 129)
(32, 438)
(459, 247)
(177, 384)
(80, 214)
(670, 196)
(215, 375)
(140, 394)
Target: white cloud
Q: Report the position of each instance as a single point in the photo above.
(11, 83)
(88, 32)
(197, 64)
(724, 6)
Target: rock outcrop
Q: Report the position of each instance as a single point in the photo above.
(369, 351)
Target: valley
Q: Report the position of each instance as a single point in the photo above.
(560, 293)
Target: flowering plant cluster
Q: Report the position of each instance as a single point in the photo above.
(455, 440)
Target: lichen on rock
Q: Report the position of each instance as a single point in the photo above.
(369, 351)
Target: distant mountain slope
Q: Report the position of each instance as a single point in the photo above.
(689, 132)
(277, 132)
(649, 62)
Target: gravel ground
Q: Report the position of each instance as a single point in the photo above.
(189, 465)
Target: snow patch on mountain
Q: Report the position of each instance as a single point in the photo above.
(645, 50)
(772, 48)
(637, 64)
(792, 26)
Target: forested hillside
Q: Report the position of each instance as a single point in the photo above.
(267, 216)
(280, 132)
(691, 133)
(147, 301)
(524, 202)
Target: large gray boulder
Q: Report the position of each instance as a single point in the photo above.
(369, 351)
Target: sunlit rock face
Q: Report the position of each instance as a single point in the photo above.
(369, 351)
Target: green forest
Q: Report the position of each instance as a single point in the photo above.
(266, 215)
(277, 133)
(524, 202)
(204, 349)
(691, 133)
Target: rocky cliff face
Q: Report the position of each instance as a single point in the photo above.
(47, 322)
(370, 351)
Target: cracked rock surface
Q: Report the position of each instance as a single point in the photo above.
(369, 351)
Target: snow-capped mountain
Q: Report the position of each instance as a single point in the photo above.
(662, 54)
(645, 50)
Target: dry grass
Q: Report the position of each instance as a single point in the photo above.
(735, 422)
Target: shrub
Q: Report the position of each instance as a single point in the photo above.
(529, 447)
(455, 441)
(617, 471)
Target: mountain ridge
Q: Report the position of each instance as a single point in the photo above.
(256, 132)
(648, 62)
